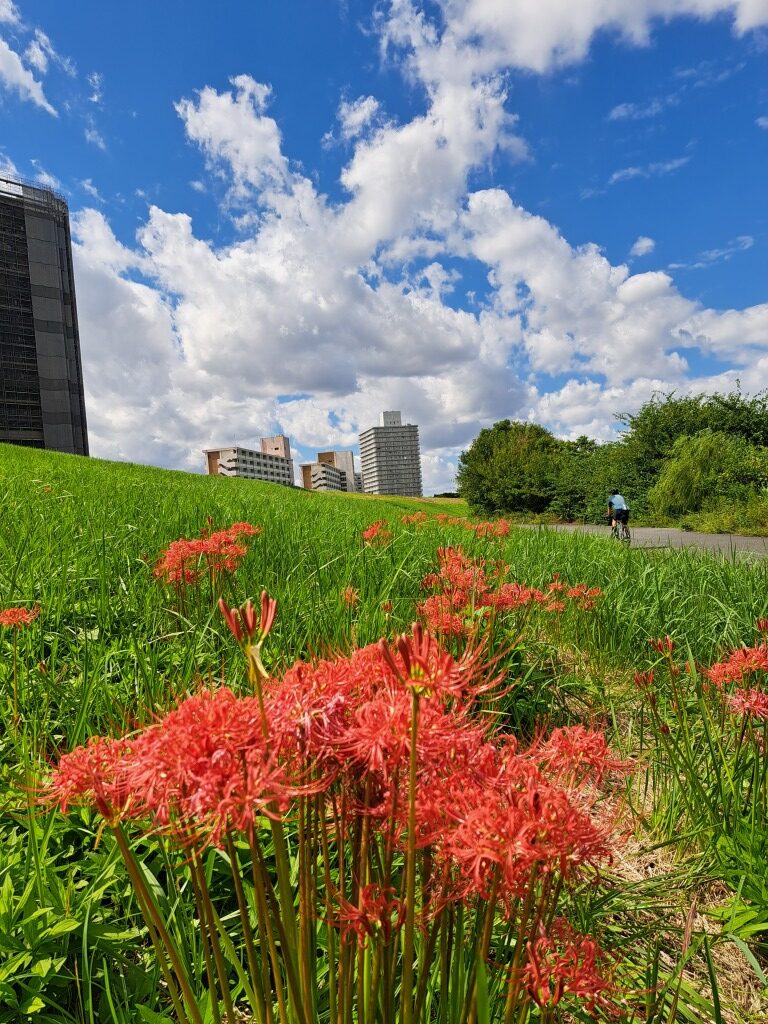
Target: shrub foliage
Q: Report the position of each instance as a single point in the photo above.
(676, 457)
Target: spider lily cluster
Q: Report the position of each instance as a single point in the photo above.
(391, 852)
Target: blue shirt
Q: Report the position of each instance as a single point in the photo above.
(618, 502)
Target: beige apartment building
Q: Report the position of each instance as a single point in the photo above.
(272, 463)
(333, 471)
(391, 457)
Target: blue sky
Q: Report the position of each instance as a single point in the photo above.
(290, 216)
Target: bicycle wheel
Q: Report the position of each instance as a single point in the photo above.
(626, 536)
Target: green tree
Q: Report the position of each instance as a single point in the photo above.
(709, 466)
(510, 467)
(652, 432)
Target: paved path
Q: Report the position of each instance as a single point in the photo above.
(660, 537)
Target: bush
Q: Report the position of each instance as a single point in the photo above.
(706, 468)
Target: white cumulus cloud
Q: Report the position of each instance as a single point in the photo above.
(642, 246)
(320, 314)
(356, 115)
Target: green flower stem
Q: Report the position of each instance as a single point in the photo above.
(153, 915)
(209, 922)
(250, 950)
(406, 998)
(330, 931)
(425, 973)
(520, 941)
(288, 950)
(266, 934)
(209, 969)
(362, 873)
(485, 921)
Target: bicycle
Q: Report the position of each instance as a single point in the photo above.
(620, 532)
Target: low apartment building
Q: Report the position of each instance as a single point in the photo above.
(333, 471)
(272, 463)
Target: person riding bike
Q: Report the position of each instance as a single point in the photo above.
(618, 509)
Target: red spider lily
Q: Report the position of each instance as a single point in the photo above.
(761, 625)
(219, 551)
(466, 584)
(664, 645)
(575, 753)
(377, 533)
(565, 963)
(243, 530)
(529, 824)
(350, 596)
(584, 595)
(242, 621)
(739, 664)
(18, 617)
(353, 714)
(753, 703)
(199, 772)
(515, 595)
(379, 912)
(377, 735)
(414, 519)
(461, 573)
(205, 768)
(644, 680)
(387, 607)
(310, 707)
(268, 612)
(439, 615)
(424, 665)
(92, 775)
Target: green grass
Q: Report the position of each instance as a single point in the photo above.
(113, 647)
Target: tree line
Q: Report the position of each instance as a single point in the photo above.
(698, 459)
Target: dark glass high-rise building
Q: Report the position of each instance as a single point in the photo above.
(41, 377)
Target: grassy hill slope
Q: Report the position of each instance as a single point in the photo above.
(114, 646)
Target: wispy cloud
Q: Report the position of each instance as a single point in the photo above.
(9, 12)
(641, 111)
(708, 73)
(88, 187)
(656, 169)
(41, 52)
(8, 168)
(708, 257)
(653, 170)
(96, 82)
(94, 136)
(14, 76)
(45, 177)
(762, 122)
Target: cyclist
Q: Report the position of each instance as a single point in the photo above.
(618, 509)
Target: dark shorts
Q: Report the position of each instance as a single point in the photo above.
(621, 515)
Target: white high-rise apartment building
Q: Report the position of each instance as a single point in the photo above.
(391, 458)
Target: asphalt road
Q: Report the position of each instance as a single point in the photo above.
(727, 544)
